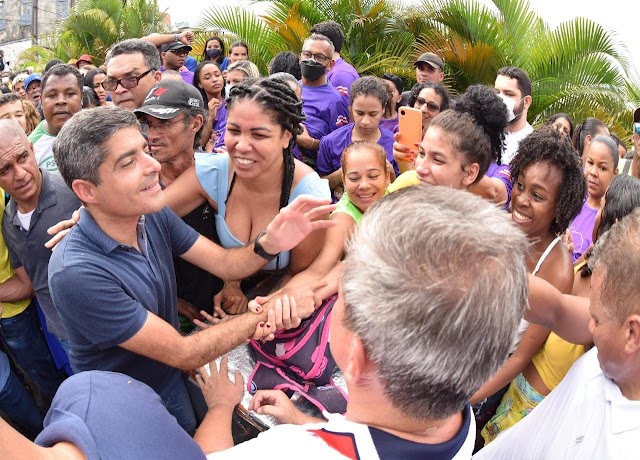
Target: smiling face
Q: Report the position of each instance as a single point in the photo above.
(429, 103)
(254, 142)
(365, 177)
(129, 178)
(19, 173)
(534, 197)
(598, 169)
(438, 162)
(367, 112)
(62, 97)
(211, 80)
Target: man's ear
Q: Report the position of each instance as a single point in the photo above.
(84, 190)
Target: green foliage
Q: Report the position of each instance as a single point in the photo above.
(93, 26)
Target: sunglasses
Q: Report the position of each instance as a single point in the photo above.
(431, 106)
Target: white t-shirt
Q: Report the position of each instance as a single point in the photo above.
(25, 219)
(585, 417)
(340, 439)
(512, 141)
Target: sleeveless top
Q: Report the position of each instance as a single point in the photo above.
(213, 174)
(524, 324)
(345, 206)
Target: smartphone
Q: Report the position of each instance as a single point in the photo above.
(409, 126)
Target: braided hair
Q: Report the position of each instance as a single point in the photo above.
(277, 98)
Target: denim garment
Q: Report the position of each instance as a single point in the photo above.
(16, 402)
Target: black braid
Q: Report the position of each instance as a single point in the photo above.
(278, 98)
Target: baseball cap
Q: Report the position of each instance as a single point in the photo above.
(430, 58)
(174, 46)
(636, 115)
(169, 98)
(31, 78)
(84, 57)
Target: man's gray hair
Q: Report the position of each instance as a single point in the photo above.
(80, 150)
(616, 258)
(149, 52)
(321, 38)
(435, 287)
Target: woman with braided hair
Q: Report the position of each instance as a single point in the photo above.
(256, 178)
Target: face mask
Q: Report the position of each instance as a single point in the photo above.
(510, 103)
(213, 53)
(227, 88)
(311, 70)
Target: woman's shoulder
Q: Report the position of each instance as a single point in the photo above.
(212, 170)
(307, 182)
(557, 269)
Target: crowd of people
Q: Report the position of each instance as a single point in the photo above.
(474, 289)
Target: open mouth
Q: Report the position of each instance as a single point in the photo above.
(244, 161)
(519, 217)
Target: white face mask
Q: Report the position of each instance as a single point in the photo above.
(227, 88)
(511, 104)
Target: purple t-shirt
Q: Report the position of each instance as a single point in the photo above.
(582, 230)
(391, 124)
(220, 125)
(342, 74)
(503, 173)
(332, 145)
(323, 106)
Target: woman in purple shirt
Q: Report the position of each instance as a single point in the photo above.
(369, 96)
(210, 82)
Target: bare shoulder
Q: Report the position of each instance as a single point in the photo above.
(302, 170)
(558, 269)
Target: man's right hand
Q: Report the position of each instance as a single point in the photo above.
(278, 405)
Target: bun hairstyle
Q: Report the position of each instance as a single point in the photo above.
(277, 98)
(476, 124)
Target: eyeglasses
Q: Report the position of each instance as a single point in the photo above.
(431, 106)
(179, 52)
(319, 58)
(110, 84)
(636, 128)
(161, 127)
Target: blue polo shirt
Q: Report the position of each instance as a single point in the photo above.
(103, 290)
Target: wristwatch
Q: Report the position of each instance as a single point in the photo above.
(257, 247)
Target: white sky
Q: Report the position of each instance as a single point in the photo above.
(618, 16)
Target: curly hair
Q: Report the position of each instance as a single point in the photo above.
(278, 99)
(489, 112)
(440, 90)
(621, 199)
(547, 144)
(31, 114)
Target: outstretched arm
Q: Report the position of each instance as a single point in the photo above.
(566, 315)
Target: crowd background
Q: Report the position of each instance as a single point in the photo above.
(579, 67)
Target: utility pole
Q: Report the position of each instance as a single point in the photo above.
(34, 22)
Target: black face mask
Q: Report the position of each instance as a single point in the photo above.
(312, 70)
(213, 53)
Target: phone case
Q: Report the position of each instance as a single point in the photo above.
(409, 126)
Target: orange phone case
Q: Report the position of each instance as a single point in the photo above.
(409, 126)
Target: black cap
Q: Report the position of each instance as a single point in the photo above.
(174, 46)
(432, 59)
(169, 98)
(636, 115)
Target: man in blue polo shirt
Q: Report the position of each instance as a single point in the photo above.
(112, 277)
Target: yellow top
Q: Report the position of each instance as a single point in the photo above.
(406, 179)
(554, 359)
(9, 309)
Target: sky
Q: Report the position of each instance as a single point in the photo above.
(615, 15)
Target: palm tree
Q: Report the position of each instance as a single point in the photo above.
(95, 25)
(578, 68)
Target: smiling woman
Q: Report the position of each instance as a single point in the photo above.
(257, 177)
